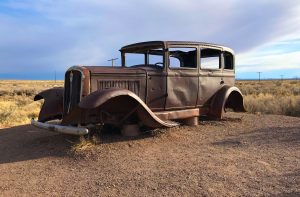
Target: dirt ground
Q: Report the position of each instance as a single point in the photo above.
(244, 155)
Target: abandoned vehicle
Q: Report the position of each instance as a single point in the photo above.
(159, 84)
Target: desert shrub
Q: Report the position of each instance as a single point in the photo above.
(18, 111)
(16, 101)
(272, 97)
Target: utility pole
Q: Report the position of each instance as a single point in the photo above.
(259, 76)
(112, 61)
(281, 77)
(55, 77)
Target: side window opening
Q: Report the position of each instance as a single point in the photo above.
(210, 59)
(155, 60)
(183, 57)
(228, 61)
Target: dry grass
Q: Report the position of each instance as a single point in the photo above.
(272, 97)
(16, 100)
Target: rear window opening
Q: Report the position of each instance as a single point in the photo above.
(210, 59)
(228, 61)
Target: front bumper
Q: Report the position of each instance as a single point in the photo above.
(60, 129)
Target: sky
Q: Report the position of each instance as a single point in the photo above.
(41, 38)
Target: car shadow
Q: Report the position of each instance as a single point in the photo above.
(26, 142)
(113, 135)
(21, 143)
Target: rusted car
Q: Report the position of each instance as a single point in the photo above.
(159, 84)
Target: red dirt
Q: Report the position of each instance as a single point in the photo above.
(244, 155)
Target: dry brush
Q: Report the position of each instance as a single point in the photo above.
(271, 97)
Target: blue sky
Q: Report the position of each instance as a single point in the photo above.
(38, 38)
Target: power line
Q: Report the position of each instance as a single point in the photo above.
(281, 77)
(112, 61)
(259, 76)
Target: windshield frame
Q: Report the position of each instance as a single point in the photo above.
(146, 51)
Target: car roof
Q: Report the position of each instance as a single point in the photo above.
(166, 44)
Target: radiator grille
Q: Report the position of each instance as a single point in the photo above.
(72, 90)
(132, 85)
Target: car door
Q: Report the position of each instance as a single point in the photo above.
(210, 73)
(182, 78)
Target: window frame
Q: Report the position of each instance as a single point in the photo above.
(220, 59)
(146, 58)
(233, 61)
(182, 46)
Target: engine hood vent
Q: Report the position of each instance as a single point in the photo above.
(132, 85)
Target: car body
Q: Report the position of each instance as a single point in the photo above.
(159, 84)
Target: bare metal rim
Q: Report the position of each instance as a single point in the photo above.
(60, 129)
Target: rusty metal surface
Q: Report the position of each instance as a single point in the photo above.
(77, 85)
(132, 85)
(166, 44)
(114, 102)
(178, 114)
(147, 93)
(52, 107)
(182, 89)
(228, 96)
(156, 90)
(135, 82)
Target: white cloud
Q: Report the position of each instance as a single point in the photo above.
(253, 63)
(280, 55)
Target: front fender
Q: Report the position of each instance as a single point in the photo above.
(52, 107)
(226, 97)
(116, 101)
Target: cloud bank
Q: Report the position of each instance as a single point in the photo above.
(40, 37)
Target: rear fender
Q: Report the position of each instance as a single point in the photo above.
(227, 97)
(52, 107)
(115, 101)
